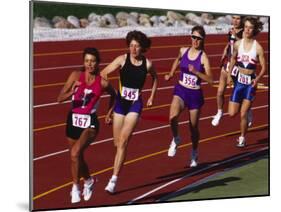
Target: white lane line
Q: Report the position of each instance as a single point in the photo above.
(136, 133)
(104, 96)
(104, 64)
(194, 173)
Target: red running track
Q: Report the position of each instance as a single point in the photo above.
(148, 174)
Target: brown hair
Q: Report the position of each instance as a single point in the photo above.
(258, 25)
(94, 52)
(140, 37)
(200, 29)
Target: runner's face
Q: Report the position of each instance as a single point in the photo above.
(236, 21)
(248, 29)
(196, 40)
(90, 62)
(135, 48)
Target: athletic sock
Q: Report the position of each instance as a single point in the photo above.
(114, 178)
(75, 187)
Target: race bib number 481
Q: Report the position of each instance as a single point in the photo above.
(244, 79)
(190, 80)
(81, 120)
(130, 94)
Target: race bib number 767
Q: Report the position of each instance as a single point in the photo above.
(81, 120)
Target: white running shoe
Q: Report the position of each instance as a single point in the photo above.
(193, 164)
(194, 159)
(216, 119)
(75, 196)
(241, 142)
(173, 147)
(88, 189)
(111, 186)
(250, 117)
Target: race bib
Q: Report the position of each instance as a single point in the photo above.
(130, 94)
(244, 79)
(81, 120)
(190, 80)
(234, 71)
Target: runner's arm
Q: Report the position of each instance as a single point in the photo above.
(232, 62)
(154, 76)
(113, 66)
(261, 58)
(110, 90)
(207, 76)
(69, 86)
(174, 66)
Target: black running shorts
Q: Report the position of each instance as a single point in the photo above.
(75, 132)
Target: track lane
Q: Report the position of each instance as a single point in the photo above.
(129, 188)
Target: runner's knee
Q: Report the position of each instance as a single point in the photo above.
(122, 141)
(243, 114)
(173, 118)
(74, 154)
(231, 112)
(220, 93)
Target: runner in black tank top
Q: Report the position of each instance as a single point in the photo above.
(234, 34)
(133, 70)
(133, 76)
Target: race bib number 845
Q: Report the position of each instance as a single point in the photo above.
(130, 94)
(81, 120)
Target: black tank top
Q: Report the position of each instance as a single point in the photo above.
(132, 76)
(234, 39)
(238, 35)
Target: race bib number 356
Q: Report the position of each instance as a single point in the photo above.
(189, 80)
(130, 94)
(244, 79)
(81, 120)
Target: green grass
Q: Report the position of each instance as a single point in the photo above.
(248, 180)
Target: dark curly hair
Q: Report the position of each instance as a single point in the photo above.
(140, 37)
(94, 52)
(258, 25)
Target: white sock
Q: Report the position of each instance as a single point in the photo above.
(114, 178)
(75, 187)
(220, 111)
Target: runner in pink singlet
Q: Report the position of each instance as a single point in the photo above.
(85, 88)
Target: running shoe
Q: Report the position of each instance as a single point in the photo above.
(194, 159)
(173, 147)
(241, 142)
(250, 118)
(111, 186)
(216, 119)
(88, 189)
(75, 195)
